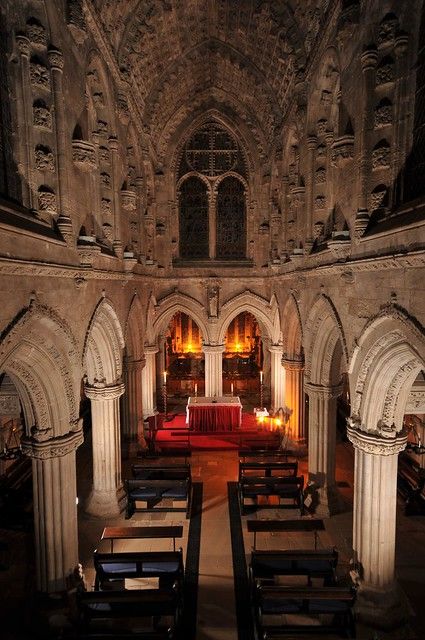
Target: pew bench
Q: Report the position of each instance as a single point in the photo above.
(148, 614)
(262, 453)
(113, 568)
(304, 612)
(160, 454)
(142, 533)
(282, 487)
(161, 472)
(286, 526)
(154, 490)
(267, 566)
(267, 468)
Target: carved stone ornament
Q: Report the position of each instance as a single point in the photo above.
(76, 21)
(44, 449)
(39, 75)
(379, 443)
(387, 31)
(104, 154)
(55, 59)
(381, 156)
(105, 180)
(318, 229)
(44, 159)
(84, 155)
(106, 206)
(108, 231)
(383, 115)
(122, 108)
(128, 200)
(47, 202)
(9, 405)
(320, 202)
(342, 150)
(377, 198)
(322, 127)
(23, 45)
(42, 117)
(321, 151)
(36, 34)
(385, 73)
(99, 391)
(320, 176)
(102, 127)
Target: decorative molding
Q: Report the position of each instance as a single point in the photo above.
(100, 391)
(45, 449)
(379, 443)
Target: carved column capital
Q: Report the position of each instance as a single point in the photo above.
(135, 365)
(52, 447)
(23, 45)
(369, 59)
(326, 391)
(113, 143)
(150, 348)
(376, 443)
(100, 391)
(275, 348)
(55, 59)
(213, 348)
(293, 364)
(311, 142)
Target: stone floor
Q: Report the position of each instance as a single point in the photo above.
(216, 616)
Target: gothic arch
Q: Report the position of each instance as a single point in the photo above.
(40, 354)
(102, 359)
(387, 359)
(168, 306)
(324, 344)
(134, 330)
(266, 313)
(292, 329)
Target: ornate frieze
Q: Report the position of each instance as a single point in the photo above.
(84, 155)
(41, 448)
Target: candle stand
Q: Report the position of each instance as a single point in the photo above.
(164, 398)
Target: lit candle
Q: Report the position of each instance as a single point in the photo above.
(165, 377)
(231, 388)
(261, 376)
(196, 388)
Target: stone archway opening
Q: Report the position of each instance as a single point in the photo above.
(243, 359)
(182, 358)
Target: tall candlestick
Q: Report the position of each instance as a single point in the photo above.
(261, 376)
(165, 377)
(231, 388)
(196, 389)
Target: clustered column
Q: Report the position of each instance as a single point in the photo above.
(321, 447)
(107, 494)
(149, 381)
(374, 524)
(133, 405)
(277, 377)
(22, 105)
(55, 506)
(213, 370)
(294, 397)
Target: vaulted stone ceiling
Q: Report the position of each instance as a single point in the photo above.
(242, 54)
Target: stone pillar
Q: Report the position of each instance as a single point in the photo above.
(369, 59)
(149, 382)
(277, 377)
(115, 184)
(285, 185)
(55, 506)
(132, 426)
(311, 164)
(25, 140)
(294, 397)
(213, 369)
(64, 219)
(374, 525)
(321, 448)
(107, 496)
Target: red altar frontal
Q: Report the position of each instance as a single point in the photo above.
(214, 414)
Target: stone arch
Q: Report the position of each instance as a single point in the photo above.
(266, 313)
(387, 359)
(102, 358)
(324, 344)
(292, 332)
(39, 352)
(162, 312)
(134, 330)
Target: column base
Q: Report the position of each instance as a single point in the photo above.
(104, 504)
(386, 608)
(324, 501)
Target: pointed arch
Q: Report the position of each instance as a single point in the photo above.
(325, 345)
(104, 343)
(265, 312)
(39, 353)
(134, 330)
(165, 309)
(292, 331)
(387, 359)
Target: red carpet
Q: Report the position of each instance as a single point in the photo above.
(175, 434)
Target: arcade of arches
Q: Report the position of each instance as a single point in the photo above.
(212, 189)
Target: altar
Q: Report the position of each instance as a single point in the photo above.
(214, 414)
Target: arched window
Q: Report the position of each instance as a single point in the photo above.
(193, 220)
(231, 234)
(212, 228)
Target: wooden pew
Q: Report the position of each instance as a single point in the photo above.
(284, 488)
(411, 484)
(267, 468)
(109, 614)
(142, 533)
(267, 565)
(312, 611)
(160, 454)
(266, 454)
(167, 566)
(161, 471)
(269, 526)
(154, 490)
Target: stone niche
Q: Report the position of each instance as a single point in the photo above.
(84, 155)
(342, 150)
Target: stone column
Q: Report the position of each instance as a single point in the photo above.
(369, 59)
(107, 496)
(321, 448)
(277, 377)
(213, 369)
(149, 382)
(311, 164)
(374, 524)
(115, 184)
(25, 123)
(294, 397)
(64, 219)
(55, 506)
(132, 427)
